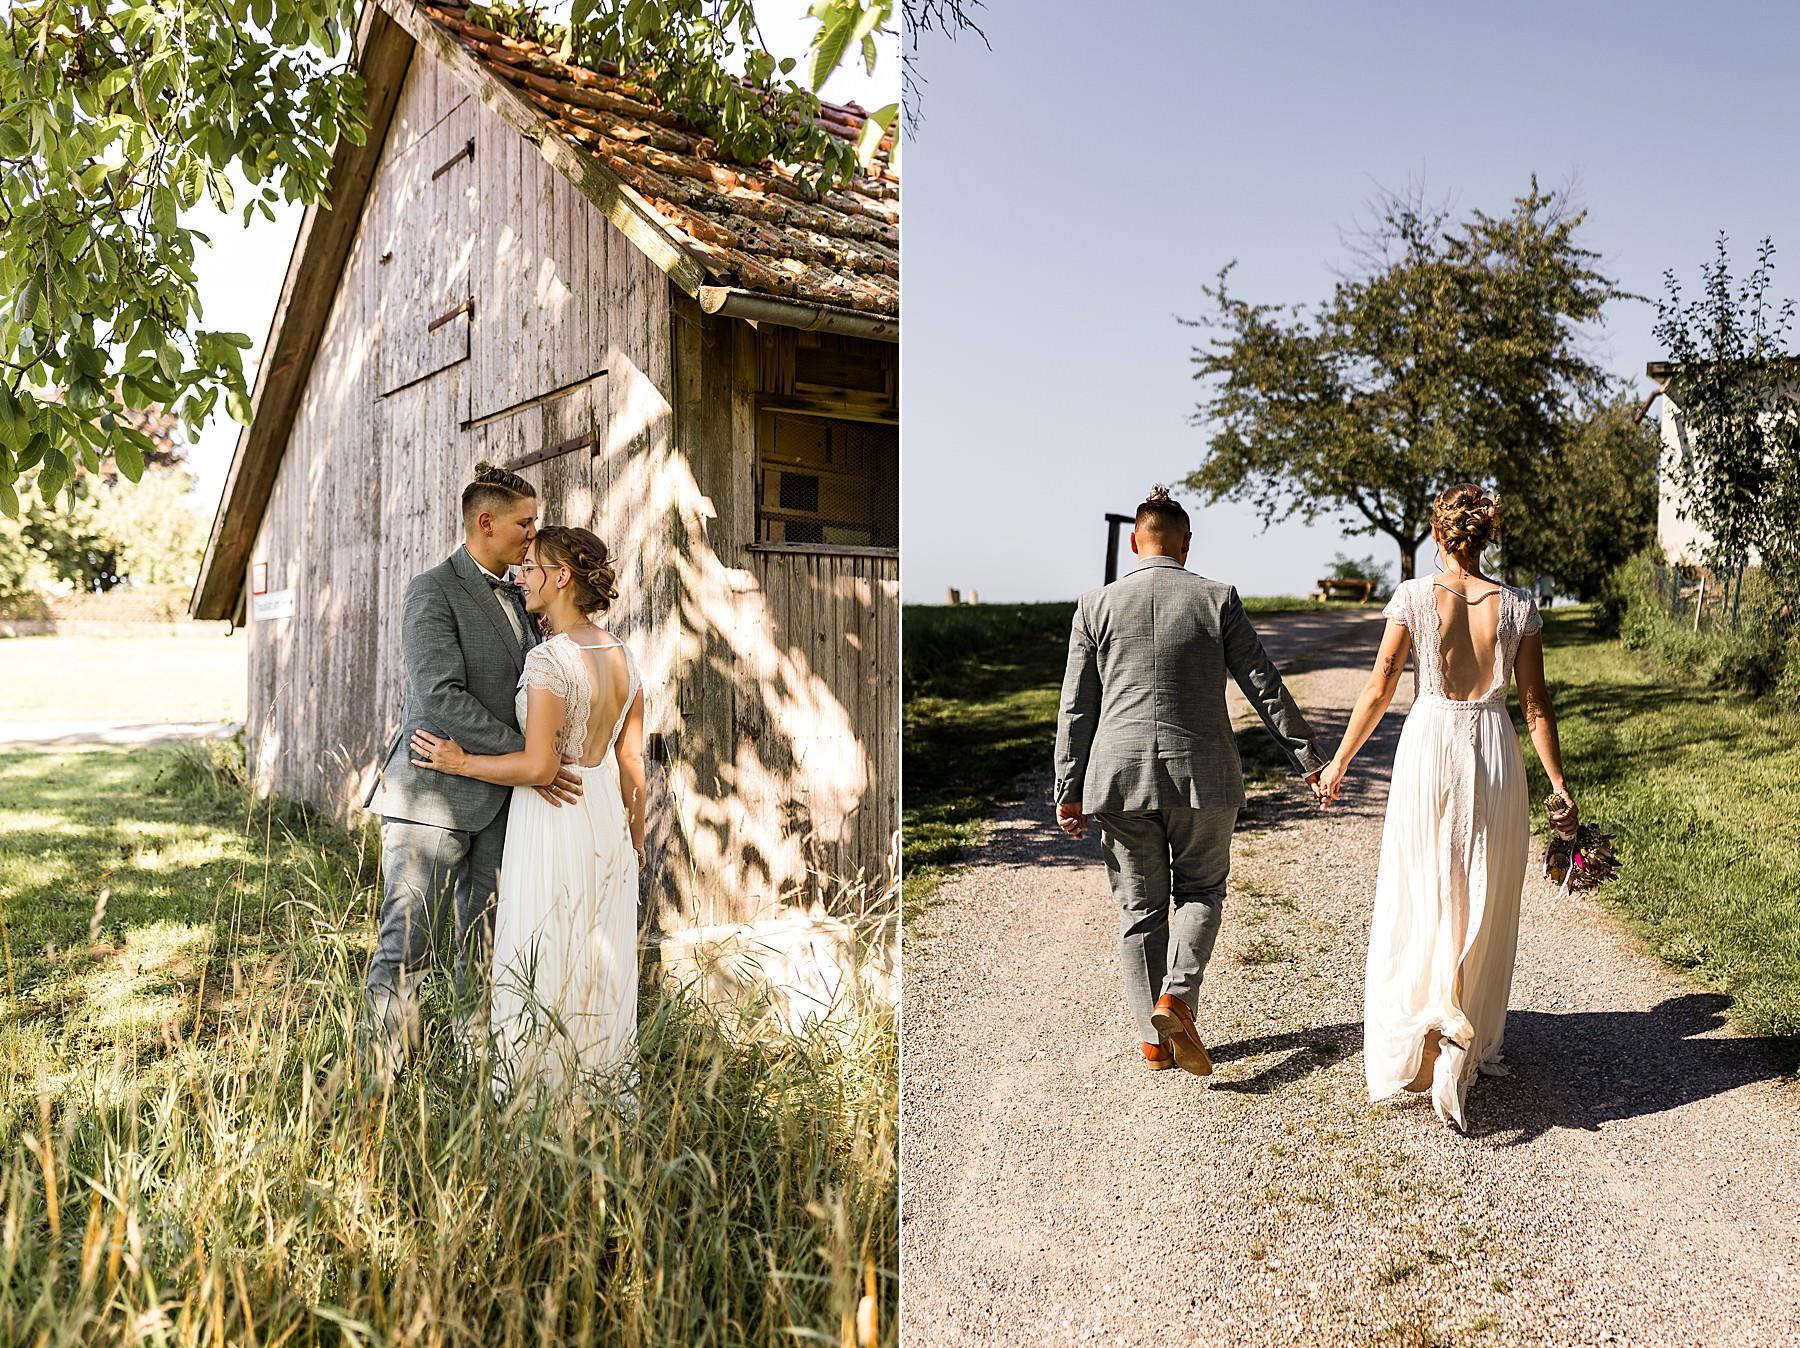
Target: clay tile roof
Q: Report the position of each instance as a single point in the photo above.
(755, 228)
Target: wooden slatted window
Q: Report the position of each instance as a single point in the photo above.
(828, 482)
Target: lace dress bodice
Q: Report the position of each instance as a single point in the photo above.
(559, 665)
(1415, 605)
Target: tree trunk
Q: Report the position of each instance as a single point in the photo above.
(1408, 552)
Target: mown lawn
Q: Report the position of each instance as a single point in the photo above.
(146, 678)
(188, 1153)
(1697, 786)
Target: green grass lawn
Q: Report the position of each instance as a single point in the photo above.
(980, 686)
(186, 1154)
(160, 678)
(1695, 783)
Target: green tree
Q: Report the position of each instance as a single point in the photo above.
(116, 115)
(102, 531)
(1453, 352)
(1736, 391)
(1580, 510)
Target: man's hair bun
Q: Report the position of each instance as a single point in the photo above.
(493, 488)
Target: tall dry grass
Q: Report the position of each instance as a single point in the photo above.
(232, 1184)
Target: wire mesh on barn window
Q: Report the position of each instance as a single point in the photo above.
(826, 481)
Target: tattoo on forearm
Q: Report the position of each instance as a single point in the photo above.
(1390, 668)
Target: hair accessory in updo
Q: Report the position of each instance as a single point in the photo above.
(589, 563)
(1466, 519)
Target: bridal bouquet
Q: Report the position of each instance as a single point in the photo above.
(1578, 858)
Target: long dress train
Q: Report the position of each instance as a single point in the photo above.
(1453, 854)
(565, 969)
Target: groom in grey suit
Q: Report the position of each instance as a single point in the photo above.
(1145, 749)
(465, 634)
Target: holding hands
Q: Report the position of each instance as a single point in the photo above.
(1330, 781)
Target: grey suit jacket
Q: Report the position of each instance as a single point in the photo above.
(1143, 724)
(462, 668)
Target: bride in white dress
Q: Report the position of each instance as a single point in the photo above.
(565, 970)
(1455, 846)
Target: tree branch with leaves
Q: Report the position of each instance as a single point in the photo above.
(113, 119)
(1453, 352)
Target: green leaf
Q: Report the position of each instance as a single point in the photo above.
(190, 182)
(880, 122)
(9, 501)
(838, 22)
(128, 456)
(31, 294)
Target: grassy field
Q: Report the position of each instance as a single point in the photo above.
(166, 678)
(186, 1157)
(1697, 786)
(1696, 783)
(980, 684)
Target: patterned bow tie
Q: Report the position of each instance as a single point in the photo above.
(495, 583)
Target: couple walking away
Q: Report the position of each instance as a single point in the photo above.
(1145, 750)
(512, 797)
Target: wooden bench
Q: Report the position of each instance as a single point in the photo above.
(1360, 591)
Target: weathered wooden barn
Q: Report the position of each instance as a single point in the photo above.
(529, 263)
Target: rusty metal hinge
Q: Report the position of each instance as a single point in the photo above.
(466, 307)
(583, 441)
(467, 152)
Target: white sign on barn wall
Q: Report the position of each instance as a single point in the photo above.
(278, 604)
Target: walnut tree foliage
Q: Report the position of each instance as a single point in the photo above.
(1453, 352)
(116, 116)
(1736, 390)
(1588, 504)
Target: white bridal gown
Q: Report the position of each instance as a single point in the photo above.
(565, 931)
(1453, 852)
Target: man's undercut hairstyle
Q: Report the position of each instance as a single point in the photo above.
(492, 490)
(1162, 515)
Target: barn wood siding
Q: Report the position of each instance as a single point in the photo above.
(772, 679)
(785, 781)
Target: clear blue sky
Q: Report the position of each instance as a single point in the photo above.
(1070, 190)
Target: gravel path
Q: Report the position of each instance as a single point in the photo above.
(1632, 1182)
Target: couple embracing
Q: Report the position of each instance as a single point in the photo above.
(512, 798)
(1145, 753)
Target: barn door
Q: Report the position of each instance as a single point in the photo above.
(427, 234)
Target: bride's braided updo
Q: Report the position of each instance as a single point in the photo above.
(1466, 519)
(588, 561)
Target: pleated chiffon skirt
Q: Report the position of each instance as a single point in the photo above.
(1445, 928)
(565, 974)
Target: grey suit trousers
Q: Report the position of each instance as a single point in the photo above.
(438, 899)
(1168, 870)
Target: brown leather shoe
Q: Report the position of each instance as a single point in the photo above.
(1158, 1058)
(1175, 1023)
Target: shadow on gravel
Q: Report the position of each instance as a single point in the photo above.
(1307, 1051)
(1588, 1068)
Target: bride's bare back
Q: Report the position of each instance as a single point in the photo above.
(1468, 611)
(610, 690)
